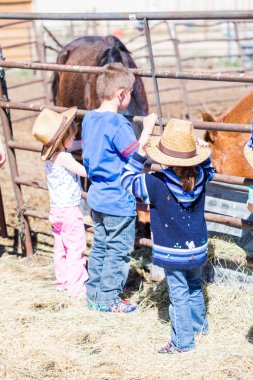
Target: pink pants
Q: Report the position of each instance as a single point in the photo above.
(69, 245)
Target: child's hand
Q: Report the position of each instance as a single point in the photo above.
(148, 126)
(149, 123)
(250, 207)
(201, 142)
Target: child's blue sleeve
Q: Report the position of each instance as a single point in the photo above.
(250, 196)
(132, 180)
(208, 169)
(125, 141)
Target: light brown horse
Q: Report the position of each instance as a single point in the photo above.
(78, 89)
(227, 156)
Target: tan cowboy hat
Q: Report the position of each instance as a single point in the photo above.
(248, 152)
(177, 146)
(50, 127)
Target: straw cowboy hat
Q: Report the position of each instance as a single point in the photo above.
(248, 151)
(50, 127)
(177, 146)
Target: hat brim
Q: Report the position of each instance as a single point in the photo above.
(47, 151)
(248, 154)
(153, 151)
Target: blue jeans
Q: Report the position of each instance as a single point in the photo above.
(109, 259)
(187, 309)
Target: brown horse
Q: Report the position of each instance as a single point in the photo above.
(227, 156)
(79, 89)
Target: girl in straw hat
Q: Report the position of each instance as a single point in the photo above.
(57, 132)
(176, 195)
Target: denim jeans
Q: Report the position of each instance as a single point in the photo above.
(187, 309)
(109, 259)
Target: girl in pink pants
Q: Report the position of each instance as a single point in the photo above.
(57, 132)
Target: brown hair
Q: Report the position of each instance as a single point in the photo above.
(114, 77)
(188, 175)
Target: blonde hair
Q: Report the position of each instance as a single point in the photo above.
(188, 176)
(71, 131)
(115, 77)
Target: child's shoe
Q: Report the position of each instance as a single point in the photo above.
(168, 349)
(122, 307)
(91, 305)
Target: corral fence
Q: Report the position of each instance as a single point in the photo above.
(12, 144)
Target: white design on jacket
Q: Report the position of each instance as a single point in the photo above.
(190, 245)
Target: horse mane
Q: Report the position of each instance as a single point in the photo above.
(114, 52)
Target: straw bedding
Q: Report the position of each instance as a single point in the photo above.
(46, 335)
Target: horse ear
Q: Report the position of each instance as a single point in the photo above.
(207, 117)
(209, 135)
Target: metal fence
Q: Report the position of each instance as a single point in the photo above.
(153, 73)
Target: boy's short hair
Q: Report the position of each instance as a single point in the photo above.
(115, 77)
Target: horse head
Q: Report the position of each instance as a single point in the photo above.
(80, 89)
(117, 52)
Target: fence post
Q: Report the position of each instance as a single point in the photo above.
(26, 242)
(152, 64)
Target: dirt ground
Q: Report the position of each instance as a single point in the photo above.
(46, 335)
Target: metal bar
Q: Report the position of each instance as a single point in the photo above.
(24, 84)
(26, 241)
(52, 48)
(214, 40)
(190, 15)
(166, 89)
(191, 75)
(216, 88)
(40, 47)
(24, 146)
(202, 125)
(18, 119)
(153, 43)
(18, 45)
(228, 100)
(184, 92)
(237, 40)
(52, 36)
(34, 99)
(157, 56)
(13, 23)
(142, 34)
(3, 228)
(152, 64)
(229, 221)
(210, 56)
(31, 182)
(242, 181)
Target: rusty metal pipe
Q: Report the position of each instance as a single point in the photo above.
(191, 75)
(27, 241)
(201, 125)
(24, 146)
